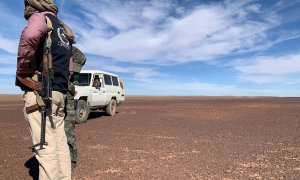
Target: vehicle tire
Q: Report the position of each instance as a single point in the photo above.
(112, 107)
(82, 112)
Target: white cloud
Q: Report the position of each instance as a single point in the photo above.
(7, 64)
(270, 65)
(139, 72)
(265, 69)
(7, 59)
(171, 87)
(11, 26)
(147, 30)
(157, 10)
(8, 71)
(264, 79)
(8, 86)
(9, 45)
(10, 19)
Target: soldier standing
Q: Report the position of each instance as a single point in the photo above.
(78, 61)
(54, 156)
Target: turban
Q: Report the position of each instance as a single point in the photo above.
(33, 6)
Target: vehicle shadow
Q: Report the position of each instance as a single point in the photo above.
(32, 165)
(96, 114)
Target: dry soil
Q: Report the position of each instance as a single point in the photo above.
(170, 138)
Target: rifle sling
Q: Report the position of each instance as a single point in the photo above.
(39, 99)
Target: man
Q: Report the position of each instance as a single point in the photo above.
(96, 82)
(54, 158)
(78, 61)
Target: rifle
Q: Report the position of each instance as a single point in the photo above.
(44, 97)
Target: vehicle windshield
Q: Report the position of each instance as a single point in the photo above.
(82, 79)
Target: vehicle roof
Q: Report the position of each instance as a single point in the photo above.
(98, 71)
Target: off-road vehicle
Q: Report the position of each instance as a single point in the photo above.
(97, 90)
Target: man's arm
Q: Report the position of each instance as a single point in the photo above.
(30, 40)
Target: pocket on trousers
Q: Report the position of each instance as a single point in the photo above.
(29, 99)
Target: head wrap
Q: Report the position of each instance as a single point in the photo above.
(79, 59)
(33, 6)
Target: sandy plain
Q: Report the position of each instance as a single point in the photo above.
(170, 138)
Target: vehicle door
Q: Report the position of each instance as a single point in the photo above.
(116, 88)
(98, 92)
(108, 87)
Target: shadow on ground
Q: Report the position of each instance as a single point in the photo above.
(32, 165)
(96, 114)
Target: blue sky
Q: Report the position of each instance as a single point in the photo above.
(169, 47)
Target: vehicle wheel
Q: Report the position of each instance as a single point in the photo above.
(111, 108)
(82, 112)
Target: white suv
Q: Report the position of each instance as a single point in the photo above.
(97, 90)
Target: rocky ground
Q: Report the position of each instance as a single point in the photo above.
(171, 138)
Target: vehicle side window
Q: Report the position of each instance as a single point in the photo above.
(82, 79)
(115, 81)
(107, 79)
(96, 81)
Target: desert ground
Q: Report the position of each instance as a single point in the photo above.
(170, 138)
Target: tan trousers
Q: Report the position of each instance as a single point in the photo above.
(54, 160)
